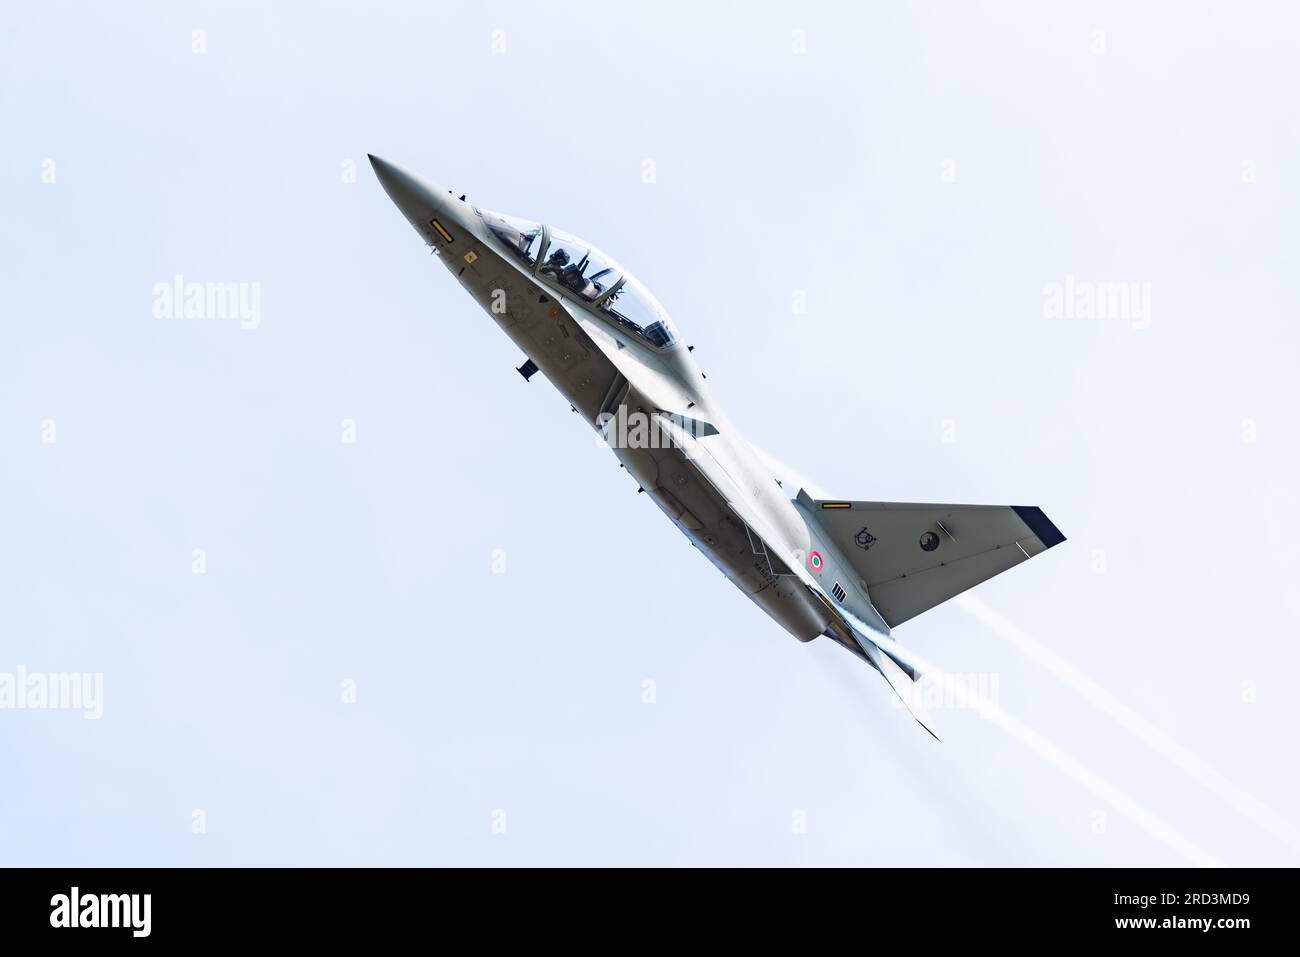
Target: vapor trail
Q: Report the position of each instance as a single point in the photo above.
(1149, 734)
(1150, 822)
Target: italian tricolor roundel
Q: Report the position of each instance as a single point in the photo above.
(815, 561)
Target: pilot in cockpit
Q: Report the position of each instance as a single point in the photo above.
(567, 274)
(556, 263)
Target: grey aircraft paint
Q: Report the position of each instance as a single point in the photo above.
(845, 569)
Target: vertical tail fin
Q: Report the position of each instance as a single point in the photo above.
(913, 557)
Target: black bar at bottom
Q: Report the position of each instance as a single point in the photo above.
(368, 906)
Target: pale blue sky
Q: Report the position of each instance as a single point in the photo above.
(921, 172)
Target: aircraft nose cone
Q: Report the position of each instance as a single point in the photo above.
(415, 196)
(386, 171)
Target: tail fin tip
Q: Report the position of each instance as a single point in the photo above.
(1042, 526)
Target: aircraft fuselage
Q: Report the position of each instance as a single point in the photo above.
(625, 386)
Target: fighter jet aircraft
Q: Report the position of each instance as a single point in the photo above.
(849, 570)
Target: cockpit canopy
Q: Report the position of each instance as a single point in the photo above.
(585, 273)
(521, 237)
(632, 306)
(578, 266)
